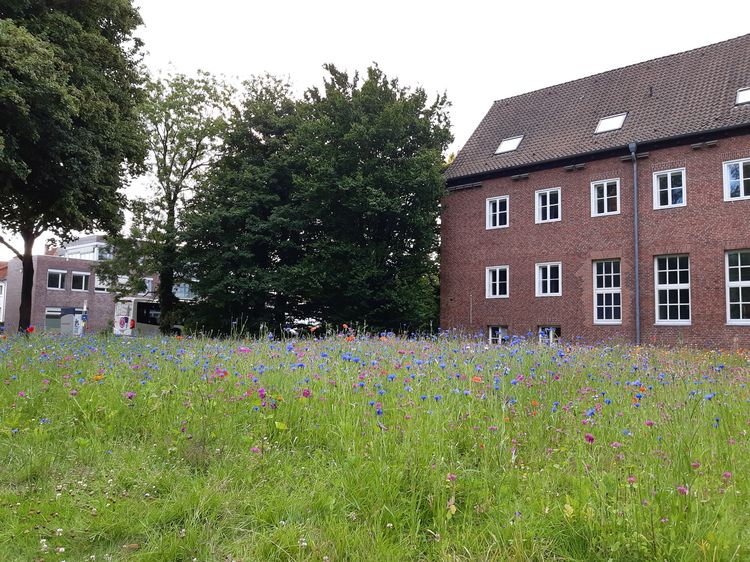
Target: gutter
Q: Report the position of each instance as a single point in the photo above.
(632, 147)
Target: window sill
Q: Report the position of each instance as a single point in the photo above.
(80, 290)
(545, 222)
(497, 297)
(669, 207)
(549, 295)
(496, 227)
(55, 288)
(738, 323)
(732, 199)
(596, 215)
(604, 323)
(673, 324)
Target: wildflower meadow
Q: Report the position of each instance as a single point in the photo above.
(355, 447)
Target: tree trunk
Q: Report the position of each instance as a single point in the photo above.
(27, 284)
(166, 275)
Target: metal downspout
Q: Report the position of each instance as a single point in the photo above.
(632, 147)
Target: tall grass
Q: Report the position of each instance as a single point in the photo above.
(370, 449)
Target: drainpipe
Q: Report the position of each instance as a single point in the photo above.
(632, 147)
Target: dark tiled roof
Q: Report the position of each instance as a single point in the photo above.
(673, 96)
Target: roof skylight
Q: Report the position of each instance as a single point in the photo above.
(743, 96)
(509, 144)
(611, 123)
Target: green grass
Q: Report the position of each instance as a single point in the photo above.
(398, 452)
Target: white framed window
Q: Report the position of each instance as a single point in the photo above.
(497, 334)
(611, 123)
(548, 205)
(738, 287)
(509, 145)
(497, 212)
(737, 180)
(549, 335)
(605, 197)
(56, 279)
(743, 96)
(100, 285)
(80, 281)
(549, 279)
(607, 292)
(52, 317)
(672, 289)
(497, 282)
(669, 189)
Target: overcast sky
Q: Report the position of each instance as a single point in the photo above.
(474, 51)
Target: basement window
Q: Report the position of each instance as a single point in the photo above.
(743, 96)
(611, 123)
(509, 144)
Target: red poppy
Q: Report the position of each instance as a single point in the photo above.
(30, 330)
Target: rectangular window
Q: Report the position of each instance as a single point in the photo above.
(55, 279)
(549, 335)
(100, 285)
(605, 198)
(607, 292)
(80, 281)
(549, 279)
(497, 212)
(738, 287)
(496, 282)
(52, 317)
(669, 189)
(737, 180)
(672, 290)
(548, 205)
(497, 334)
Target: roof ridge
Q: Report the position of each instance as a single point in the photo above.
(612, 70)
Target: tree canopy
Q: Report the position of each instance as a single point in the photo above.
(70, 86)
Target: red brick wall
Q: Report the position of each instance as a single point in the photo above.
(705, 228)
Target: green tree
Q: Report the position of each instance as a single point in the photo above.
(240, 232)
(69, 128)
(370, 191)
(184, 118)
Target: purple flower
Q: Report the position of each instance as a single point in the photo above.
(727, 475)
(649, 423)
(615, 444)
(589, 438)
(129, 395)
(682, 490)
(306, 393)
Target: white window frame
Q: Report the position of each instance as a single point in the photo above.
(669, 173)
(497, 334)
(607, 291)
(743, 96)
(488, 284)
(538, 207)
(611, 123)
(489, 214)
(538, 282)
(725, 168)
(87, 283)
(594, 199)
(671, 286)
(62, 279)
(509, 145)
(547, 335)
(99, 285)
(734, 284)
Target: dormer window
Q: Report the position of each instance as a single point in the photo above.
(611, 123)
(509, 144)
(743, 96)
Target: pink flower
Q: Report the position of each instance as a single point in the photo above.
(631, 479)
(129, 395)
(727, 475)
(649, 423)
(615, 444)
(682, 490)
(451, 477)
(255, 450)
(306, 393)
(695, 464)
(589, 438)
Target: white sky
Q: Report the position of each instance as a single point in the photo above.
(474, 51)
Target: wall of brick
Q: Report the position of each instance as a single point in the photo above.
(704, 229)
(101, 305)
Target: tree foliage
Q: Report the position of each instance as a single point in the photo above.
(324, 207)
(69, 89)
(184, 118)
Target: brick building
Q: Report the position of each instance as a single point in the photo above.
(614, 207)
(65, 282)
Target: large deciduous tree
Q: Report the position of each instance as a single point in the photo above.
(184, 118)
(325, 207)
(240, 232)
(69, 127)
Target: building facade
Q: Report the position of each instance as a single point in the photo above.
(558, 191)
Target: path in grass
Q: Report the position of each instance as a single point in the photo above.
(370, 449)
